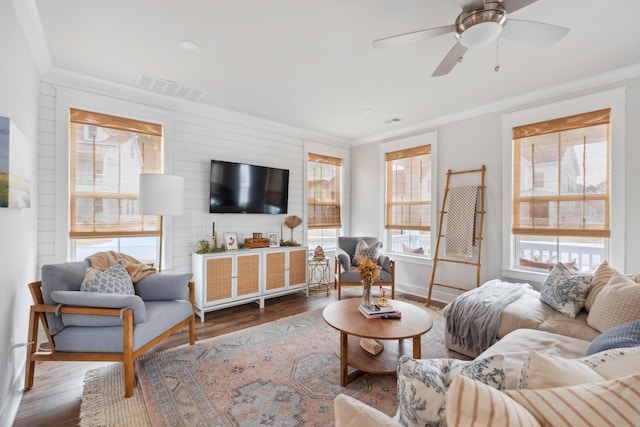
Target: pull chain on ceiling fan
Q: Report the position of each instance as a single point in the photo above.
(479, 24)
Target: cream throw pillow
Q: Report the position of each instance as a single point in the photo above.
(350, 412)
(546, 371)
(472, 403)
(601, 277)
(618, 302)
(541, 371)
(609, 403)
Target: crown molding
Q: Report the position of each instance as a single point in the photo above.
(611, 77)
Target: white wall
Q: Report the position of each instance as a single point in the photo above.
(194, 134)
(469, 143)
(18, 100)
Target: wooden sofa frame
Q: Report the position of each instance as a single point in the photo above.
(127, 357)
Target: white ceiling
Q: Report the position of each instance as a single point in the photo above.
(310, 63)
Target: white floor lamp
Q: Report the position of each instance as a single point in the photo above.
(160, 195)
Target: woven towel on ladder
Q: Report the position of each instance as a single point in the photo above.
(461, 221)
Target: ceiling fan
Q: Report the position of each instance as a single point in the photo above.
(480, 23)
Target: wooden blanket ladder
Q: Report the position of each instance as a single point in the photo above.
(478, 230)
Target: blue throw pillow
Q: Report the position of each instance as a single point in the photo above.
(625, 335)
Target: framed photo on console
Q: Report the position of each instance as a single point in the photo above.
(274, 240)
(231, 241)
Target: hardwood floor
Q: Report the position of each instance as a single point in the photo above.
(55, 397)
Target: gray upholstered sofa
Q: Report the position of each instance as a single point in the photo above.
(92, 326)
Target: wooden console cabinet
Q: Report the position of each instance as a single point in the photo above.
(237, 277)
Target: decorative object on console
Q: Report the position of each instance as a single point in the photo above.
(274, 240)
(203, 246)
(262, 242)
(292, 222)
(231, 241)
(160, 194)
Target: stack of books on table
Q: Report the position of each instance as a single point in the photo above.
(380, 312)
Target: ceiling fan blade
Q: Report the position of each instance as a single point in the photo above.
(467, 5)
(450, 61)
(412, 37)
(513, 5)
(533, 33)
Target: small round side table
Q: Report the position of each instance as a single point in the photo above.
(319, 275)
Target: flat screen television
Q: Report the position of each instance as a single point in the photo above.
(245, 188)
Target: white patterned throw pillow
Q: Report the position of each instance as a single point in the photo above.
(565, 290)
(423, 384)
(364, 250)
(114, 280)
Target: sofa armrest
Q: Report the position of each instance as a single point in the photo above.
(350, 412)
(344, 258)
(98, 300)
(164, 286)
(385, 262)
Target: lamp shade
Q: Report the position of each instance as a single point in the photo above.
(161, 194)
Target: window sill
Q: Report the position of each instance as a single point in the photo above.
(532, 277)
(411, 259)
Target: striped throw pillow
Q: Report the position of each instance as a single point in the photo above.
(608, 403)
(472, 403)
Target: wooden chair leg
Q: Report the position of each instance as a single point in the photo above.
(127, 357)
(33, 338)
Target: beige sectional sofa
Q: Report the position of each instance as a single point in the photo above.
(539, 350)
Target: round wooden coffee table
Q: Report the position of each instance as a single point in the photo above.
(344, 316)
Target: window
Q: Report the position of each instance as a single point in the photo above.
(324, 177)
(107, 155)
(561, 191)
(408, 200)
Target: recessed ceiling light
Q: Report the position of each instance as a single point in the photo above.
(367, 111)
(189, 46)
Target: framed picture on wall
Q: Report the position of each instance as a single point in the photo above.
(274, 240)
(231, 241)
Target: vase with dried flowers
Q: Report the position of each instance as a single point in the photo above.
(369, 272)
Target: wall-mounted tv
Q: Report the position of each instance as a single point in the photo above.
(245, 188)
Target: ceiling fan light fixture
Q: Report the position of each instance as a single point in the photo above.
(480, 35)
(478, 28)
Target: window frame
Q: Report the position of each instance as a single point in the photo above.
(613, 99)
(62, 247)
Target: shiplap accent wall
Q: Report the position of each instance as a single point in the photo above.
(193, 136)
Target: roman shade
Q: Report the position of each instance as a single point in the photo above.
(408, 197)
(561, 176)
(323, 196)
(107, 154)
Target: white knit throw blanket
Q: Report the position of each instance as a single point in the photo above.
(461, 219)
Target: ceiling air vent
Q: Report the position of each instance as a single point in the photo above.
(167, 87)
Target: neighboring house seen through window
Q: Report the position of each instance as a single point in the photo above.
(107, 156)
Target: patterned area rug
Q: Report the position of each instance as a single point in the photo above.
(281, 373)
